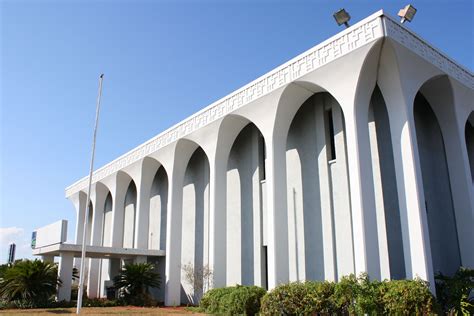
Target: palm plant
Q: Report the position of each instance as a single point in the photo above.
(33, 282)
(134, 281)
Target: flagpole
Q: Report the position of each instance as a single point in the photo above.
(86, 214)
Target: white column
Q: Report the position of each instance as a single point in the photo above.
(65, 275)
(257, 211)
(379, 200)
(118, 209)
(416, 247)
(147, 174)
(277, 212)
(364, 221)
(79, 202)
(173, 237)
(217, 217)
(325, 193)
(98, 196)
(461, 187)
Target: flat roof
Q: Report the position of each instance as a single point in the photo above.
(96, 251)
(366, 31)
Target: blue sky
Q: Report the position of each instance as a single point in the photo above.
(163, 61)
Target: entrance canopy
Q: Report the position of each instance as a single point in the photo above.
(96, 251)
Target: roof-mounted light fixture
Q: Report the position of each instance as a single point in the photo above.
(342, 17)
(407, 13)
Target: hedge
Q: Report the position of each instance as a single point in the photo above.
(350, 296)
(235, 300)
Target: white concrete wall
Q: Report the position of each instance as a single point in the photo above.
(194, 226)
(305, 231)
(244, 210)
(319, 214)
(129, 216)
(158, 207)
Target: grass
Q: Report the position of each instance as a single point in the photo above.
(119, 310)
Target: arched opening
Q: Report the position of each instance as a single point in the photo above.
(158, 210)
(437, 189)
(319, 213)
(246, 258)
(469, 133)
(107, 222)
(195, 216)
(129, 216)
(385, 189)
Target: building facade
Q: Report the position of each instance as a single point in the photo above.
(355, 156)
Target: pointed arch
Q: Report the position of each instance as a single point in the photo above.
(129, 215)
(158, 210)
(437, 189)
(318, 201)
(195, 227)
(246, 263)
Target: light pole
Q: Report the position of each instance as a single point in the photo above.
(86, 214)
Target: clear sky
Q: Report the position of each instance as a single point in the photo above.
(163, 61)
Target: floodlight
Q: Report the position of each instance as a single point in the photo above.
(342, 17)
(407, 13)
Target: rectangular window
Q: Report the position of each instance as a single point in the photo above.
(331, 140)
(263, 157)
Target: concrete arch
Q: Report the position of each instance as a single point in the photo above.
(290, 101)
(107, 221)
(438, 195)
(317, 185)
(158, 210)
(129, 215)
(195, 225)
(245, 176)
(440, 95)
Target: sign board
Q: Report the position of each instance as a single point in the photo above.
(33, 240)
(51, 234)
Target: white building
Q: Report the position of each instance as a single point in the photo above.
(355, 156)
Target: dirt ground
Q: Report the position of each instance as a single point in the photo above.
(119, 310)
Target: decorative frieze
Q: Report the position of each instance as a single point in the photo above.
(410, 40)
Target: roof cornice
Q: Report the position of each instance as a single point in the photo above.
(364, 32)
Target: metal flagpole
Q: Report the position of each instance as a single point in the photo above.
(86, 214)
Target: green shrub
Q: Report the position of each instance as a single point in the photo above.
(455, 293)
(133, 283)
(29, 283)
(212, 300)
(234, 300)
(299, 298)
(357, 296)
(406, 297)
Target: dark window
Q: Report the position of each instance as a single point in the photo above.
(331, 138)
